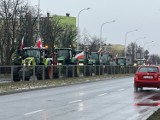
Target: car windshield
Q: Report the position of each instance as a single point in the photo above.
(148, 69)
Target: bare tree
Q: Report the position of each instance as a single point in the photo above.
(8, 14)
(16, 22)
(67, 37)
(94, 44)
(56, 33)
(155, 59)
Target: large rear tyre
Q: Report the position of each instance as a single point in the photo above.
(26, 78)
(39, 72)
(99, 70)
(56, 72)
(87, 70)
(16, 77)
(72, 70)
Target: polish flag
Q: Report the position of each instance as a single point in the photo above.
(21, 45)
(80, 55)
(39, 43)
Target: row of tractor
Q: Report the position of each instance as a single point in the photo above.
(37, 61)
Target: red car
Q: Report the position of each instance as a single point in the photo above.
(147, 76)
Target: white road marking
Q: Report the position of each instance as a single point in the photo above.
(30, 113)
(102, 94)
(75, 101)
(121, 89)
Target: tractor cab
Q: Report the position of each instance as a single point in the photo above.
(95, 58)
(107, 58)
(139, 62)
(65, 56)
(33, 54)
(122, 61)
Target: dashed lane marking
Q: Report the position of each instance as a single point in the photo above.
(102, 94)
(121, 89)
(30, 113)
(75, 101)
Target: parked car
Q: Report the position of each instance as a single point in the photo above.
(147, 76)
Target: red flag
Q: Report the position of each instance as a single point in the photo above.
(21, 45)
(39, 43)
(80, 55)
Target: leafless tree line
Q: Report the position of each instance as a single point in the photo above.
(18, 20)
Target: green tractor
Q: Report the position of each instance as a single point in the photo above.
(95, 59)
(84, 62)
(33, 59)
(139, 62)
(108, 62)
(66, 61)
(122, 62)
(107, 59)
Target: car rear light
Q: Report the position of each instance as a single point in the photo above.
(159, 78)
(136, 77)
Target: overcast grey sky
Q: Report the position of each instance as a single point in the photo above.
(143, 15)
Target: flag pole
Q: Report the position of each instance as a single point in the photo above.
(38, 17)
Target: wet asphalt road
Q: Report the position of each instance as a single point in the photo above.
(103, 100)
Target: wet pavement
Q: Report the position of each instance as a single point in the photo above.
(103, 100)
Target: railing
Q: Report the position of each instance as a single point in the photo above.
(25, 73)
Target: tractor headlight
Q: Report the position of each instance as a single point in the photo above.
(80, 64)
(29, 64)
(59, 63)
(24, 64)
(135, 64)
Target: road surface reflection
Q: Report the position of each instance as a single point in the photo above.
(147, 97)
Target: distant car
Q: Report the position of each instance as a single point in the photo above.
(147, 76)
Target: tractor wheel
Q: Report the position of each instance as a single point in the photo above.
(98, 70)
(72, 69)
(16, 76)
(26, 78)
(39, 71)
(55, 72)
(87, 71)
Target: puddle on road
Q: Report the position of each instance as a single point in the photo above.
(148, 104)
(147, 98)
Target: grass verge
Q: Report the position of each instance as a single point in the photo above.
(13, 87)
(155, 115)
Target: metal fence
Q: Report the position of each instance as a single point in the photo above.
(25, 73)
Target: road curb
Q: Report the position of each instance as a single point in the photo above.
(149, 113)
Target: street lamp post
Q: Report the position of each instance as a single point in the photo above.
(126, 39)
(78, 24)
(139, 39)
(145, 45)
(101, 31)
